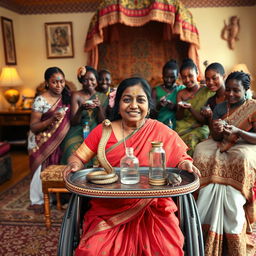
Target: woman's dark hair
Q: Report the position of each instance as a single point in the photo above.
(50, 71)
(123, 86)
(66, 91)
(90, 69)
(171, 64)
(104, 71)
(240, 76)
(188, 63)
(216, 67)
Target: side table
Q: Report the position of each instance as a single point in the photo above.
(10, 120)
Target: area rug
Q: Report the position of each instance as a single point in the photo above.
(14, 203)
(22, 232)
(28, 240)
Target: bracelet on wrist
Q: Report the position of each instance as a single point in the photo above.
(74, 164)
(181, 163)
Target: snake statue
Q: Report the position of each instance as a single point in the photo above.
(108, 175)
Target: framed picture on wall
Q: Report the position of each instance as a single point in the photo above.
(59, 40)
(8, 40)
(27, 102)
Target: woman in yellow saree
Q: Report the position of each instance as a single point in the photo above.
(226, 201)
(190, 124)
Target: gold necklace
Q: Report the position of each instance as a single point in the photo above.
(124, 139)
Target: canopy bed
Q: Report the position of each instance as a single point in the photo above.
(136, 37)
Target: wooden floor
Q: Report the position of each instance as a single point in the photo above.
(20, 167)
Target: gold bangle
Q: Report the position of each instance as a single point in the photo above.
(74, 164)
(180, 163)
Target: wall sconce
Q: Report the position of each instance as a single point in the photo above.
(9, 78)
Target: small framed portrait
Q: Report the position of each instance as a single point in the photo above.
(27, 102)
(8, 40)
(59, 40)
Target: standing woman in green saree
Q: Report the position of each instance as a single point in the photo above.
(190, 124)
(164, 95)
(87, 105)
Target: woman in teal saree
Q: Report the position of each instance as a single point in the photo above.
(87, 105)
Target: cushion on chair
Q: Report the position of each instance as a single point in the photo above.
(53, 173)
(4, 148)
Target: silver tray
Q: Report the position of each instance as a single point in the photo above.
(76, 182)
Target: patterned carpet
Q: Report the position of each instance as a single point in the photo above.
(22, 232)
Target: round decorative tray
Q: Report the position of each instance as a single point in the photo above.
(76, 182)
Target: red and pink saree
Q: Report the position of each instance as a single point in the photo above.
(121, 227)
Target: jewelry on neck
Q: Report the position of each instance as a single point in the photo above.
(124, 139)
(237, 103)
(230, 106)
(169, 88)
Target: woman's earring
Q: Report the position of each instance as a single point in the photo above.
(46, 86)
(148, 113)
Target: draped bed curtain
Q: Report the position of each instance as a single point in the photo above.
(136, 37)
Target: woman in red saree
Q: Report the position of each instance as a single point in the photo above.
(226, 201)
(49, 125)
(121, 227)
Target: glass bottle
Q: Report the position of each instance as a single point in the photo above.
(170, 123)
(86, 129)
(129, 168)
(157, 164)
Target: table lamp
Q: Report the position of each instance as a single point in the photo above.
(9, 78)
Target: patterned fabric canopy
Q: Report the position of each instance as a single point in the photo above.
(121, 27)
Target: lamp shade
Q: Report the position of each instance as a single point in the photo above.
(241, 67)
(9, 77)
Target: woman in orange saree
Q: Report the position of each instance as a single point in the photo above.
(226, 200)
(120, 227)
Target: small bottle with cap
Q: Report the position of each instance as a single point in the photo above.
(157, 164)
(170, 123)
(86, 129)
(129, 168)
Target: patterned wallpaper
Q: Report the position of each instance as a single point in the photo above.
(217, 3)
(50, 6)
(69, 6)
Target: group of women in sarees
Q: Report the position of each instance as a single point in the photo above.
(213, 123)
(217, 122)
(56, 126)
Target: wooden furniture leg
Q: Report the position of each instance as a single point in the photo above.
(52, 182)
(58, 201)
(47, 211)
